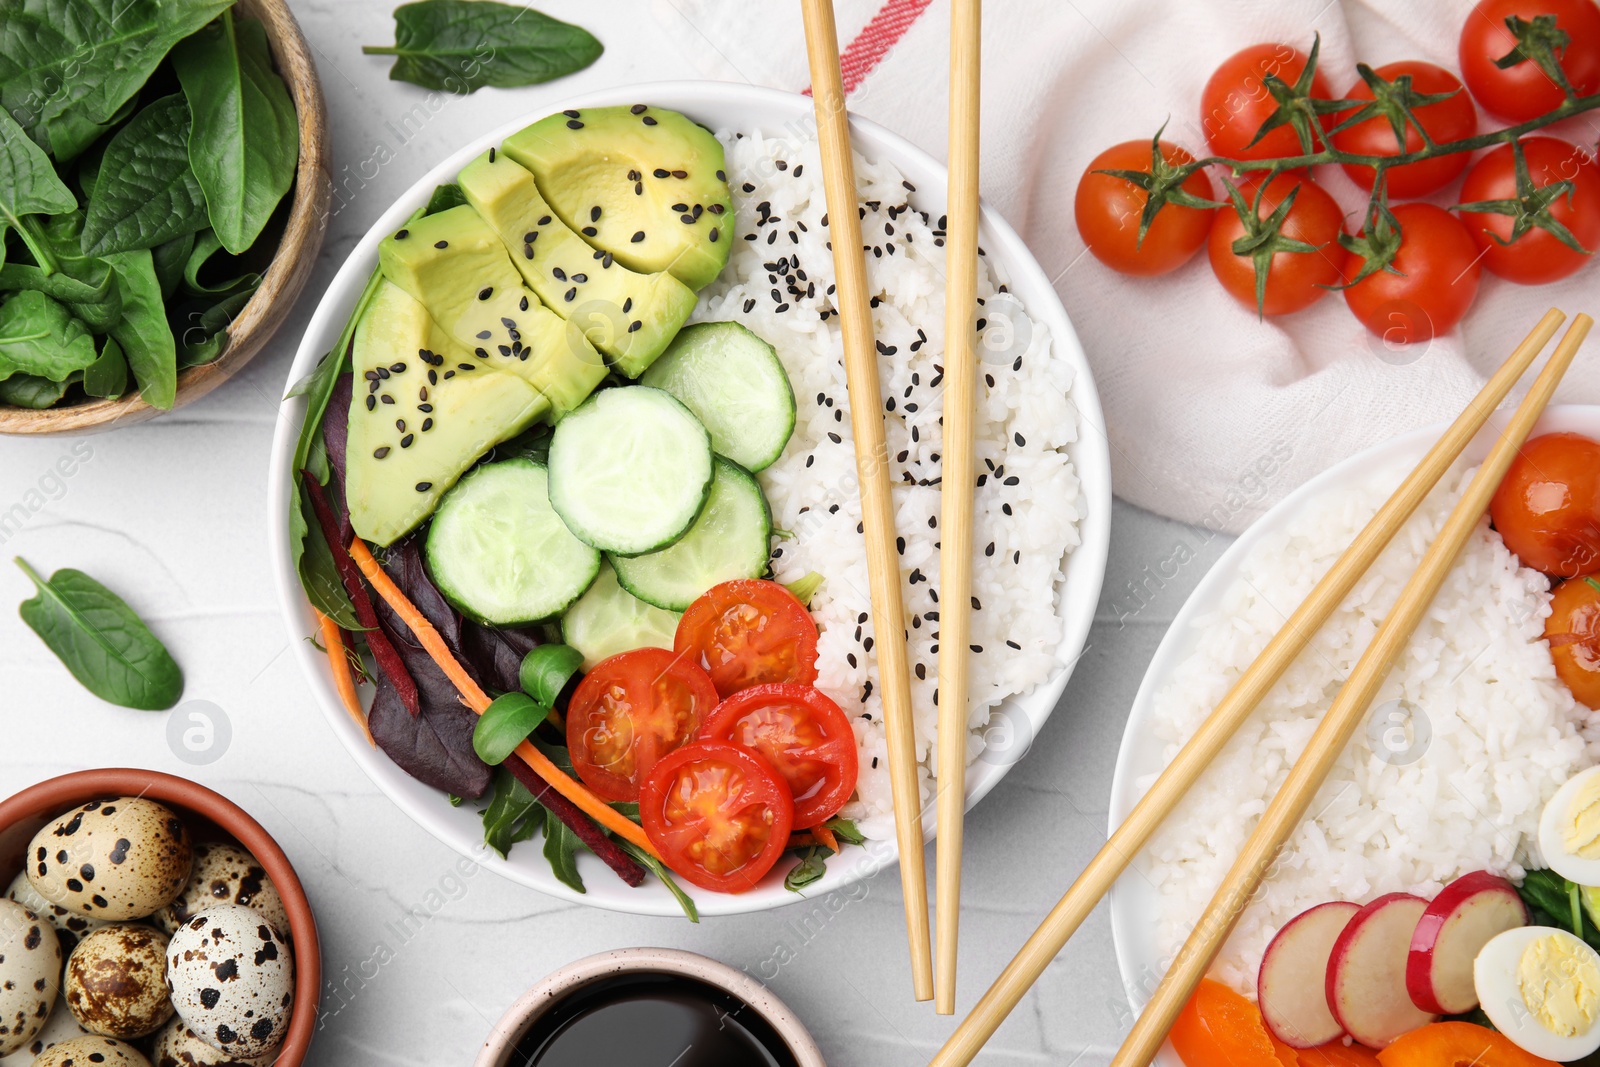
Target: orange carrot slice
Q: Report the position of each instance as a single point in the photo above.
(344, 679)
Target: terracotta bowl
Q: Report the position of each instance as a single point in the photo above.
(281, 282)
(208, 815)
(554, 988)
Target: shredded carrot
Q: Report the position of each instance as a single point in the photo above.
(800, 839)
(476, 699)
(343, 678)
(825, 837)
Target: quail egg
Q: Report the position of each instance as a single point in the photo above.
(69, 924)
(61, 1027)
(100, 1051)
(30, 974)
(225, 874)
(177, 1046)
(231, 976)
(116, 981)
(112, 859)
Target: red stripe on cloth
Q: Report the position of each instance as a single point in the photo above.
(864, 53)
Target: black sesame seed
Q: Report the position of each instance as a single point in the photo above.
(1019, 439)
(637, 237)
(659, 173)
(544, 220)
(686, 218)
(423, 487)
(427, 424)
(648, 121)
(507, 323)
(570, 113)
(397, 368)
(530, 237)
(558, 274)
(570, 293)
(680, 207)
(386, 398)
(627, 305)
(484, 335)
(482, 353)
(400, 235)
(900, 545)
(379, 453)
(441, 244)
(372, 401)
(491, 154)
(574, 124)
(716, 209)
(522, 305)
(424, 407)
(637, 109)
(590, 231)
(505, 350)
(382, 372)
(405, 442)
(635, 326)
(580, 278)
(680, 174)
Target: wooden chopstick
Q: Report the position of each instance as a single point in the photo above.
(1342, 718)
(872, 469)
(955, 497)
(1224, 721)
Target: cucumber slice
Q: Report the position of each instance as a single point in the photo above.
(731, 539)
(608, 619)
(498, 551)
(629, 470)
(732, 380)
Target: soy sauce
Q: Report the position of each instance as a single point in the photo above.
(642, 1020)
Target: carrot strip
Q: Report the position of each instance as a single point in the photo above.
(343, 678)
(476, 699)
(825, 837)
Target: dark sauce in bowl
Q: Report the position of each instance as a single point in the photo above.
(651, 1018)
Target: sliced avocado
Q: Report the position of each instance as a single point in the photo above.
(643, 183)
(422, 412)
(629, 317)
(455, 264)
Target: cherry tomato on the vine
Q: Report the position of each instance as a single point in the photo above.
(1536, 256)
(1294, 279)
(1446, 120)
(1438, 279)
(1235, 102)
(1108, 210)
(1524, 91)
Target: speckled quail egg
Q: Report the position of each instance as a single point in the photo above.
(116, 980)
(225, 874)
(99, 1051)
(30, 974)
(113, 859)
(231, 976)
(61, 1027)
(178, 1046)
(70, 926)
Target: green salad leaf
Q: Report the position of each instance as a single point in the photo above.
(29, 185)
(505, 724)
(143, 332)
(107, 376)
(39, 337)
(561, 847)
(145, 192)
(31, 391)
(546, 670)
(659, 869)
(812, 866)
(459, 46)
(512, 815)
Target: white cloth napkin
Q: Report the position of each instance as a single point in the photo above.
(1213, 415)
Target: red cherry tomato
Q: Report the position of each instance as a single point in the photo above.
(1573, 630)
(1548, 507)
(1448, 120)
(748, 632)
(719, 814)
(1523, 91)
(803, 735)
(1438, 279)
(629, 712)
(1108, 209)
(1294, 279)
(1537, 256)
(1235, 102)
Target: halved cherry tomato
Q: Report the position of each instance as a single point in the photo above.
(1537, 256)
(629, 712)
(719, 814)
(1235, 102)
(1220, 1028)
(803, 735)
(1447, 120)
(749, 632)
(1455, 1044)
(1523, 91)
(1548, 507)
(1294, 279)
(1438, 279)
(1573, 630)
(1107, 210)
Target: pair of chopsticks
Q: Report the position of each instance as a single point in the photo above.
(877, 511)
(1340, 721)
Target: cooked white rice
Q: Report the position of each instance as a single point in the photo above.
(1451, 780)
(779, 284)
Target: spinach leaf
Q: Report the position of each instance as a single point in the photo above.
(512, 815)
(546, 670)
(96, 300)
(202, 329)
(206, 246)
(846, 831)
(101, 641)
(561, 847)
(145, 192)
(87, 57)
(69, 135)
(40, 337)
(659, 869)
(1548, 896)
(29, 391)
(170, 260)
(107, 376)
(143, 333)
(812, 866)
(505, 724)
(244, 140)
(444, 198)
(29, 185)
(462, 45)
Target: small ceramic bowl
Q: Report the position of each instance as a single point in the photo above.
(555, 988)
(209, 816)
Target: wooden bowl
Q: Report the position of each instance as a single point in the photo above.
(280, 284)
(209, 816)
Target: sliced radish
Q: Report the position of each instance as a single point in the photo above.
(1366, 982)
(1292, 984)
(1463, 918)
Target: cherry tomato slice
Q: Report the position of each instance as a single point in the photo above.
(749, 632)
(719, 814)
(1548, 507)
(629, 712)
(1573, 630)
(803, 734)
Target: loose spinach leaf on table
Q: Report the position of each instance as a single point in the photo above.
(107, 376)
(29, 185)
(244, 139)
(39, 337)
(145, 192)
(101, 641)
(143, 332)
(460, 46)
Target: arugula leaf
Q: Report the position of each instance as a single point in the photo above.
(244, 139)
(659, 869)
(107, 376)
(512, 815)
(812, 866)
(29, 391)
(561, 847)
(460, 46)
(39, 337)
(505, 724)
(143, 333)
(546, 670)
(145, 192)
(101, 641)
(29, 185)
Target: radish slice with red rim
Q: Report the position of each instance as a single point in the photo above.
(1291, 986)
(1465, 916)
(1366, 981)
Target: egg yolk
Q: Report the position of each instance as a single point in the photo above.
(1581, 835)
(1560, 984)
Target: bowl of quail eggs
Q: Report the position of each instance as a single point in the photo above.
(148, 921)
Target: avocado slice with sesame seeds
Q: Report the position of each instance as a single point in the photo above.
(417, 421)
(630, 317)
(640, 182)
(456, 265)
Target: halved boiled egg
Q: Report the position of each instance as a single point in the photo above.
(1569, 829)
(1540, 987)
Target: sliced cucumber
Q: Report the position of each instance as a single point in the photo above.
(499, 552)
(732, 380)
(629, 470)
(731, 539)
(608, 619)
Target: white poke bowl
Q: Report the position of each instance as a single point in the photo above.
(716, 105)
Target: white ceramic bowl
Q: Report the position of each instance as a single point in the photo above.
(717, 105)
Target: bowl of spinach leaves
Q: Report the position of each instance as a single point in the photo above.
(163, 196)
